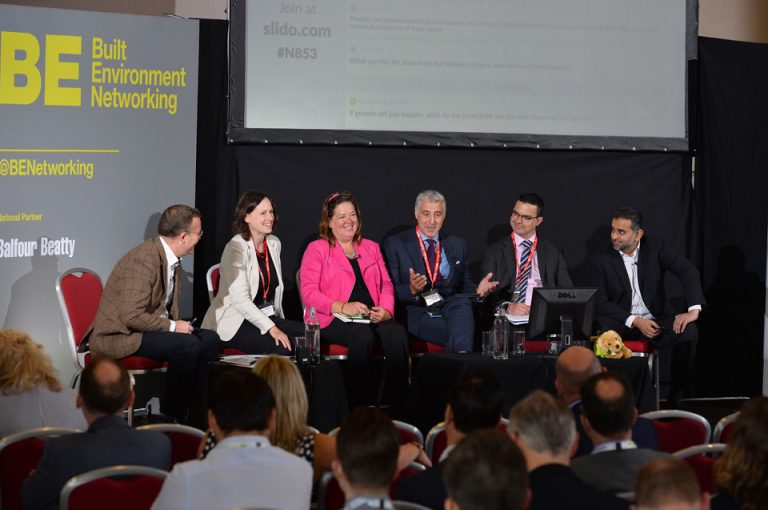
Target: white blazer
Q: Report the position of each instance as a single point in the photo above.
(238, 285)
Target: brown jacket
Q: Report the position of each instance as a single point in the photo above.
(134, 301)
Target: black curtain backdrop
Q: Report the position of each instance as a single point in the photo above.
(731, 186)
(581, 189)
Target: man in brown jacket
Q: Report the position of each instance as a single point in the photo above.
(139, 311)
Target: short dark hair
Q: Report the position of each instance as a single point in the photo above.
(608, 417)
(102, 393)
(665, 481)
(241, 400)
(476, 400)
(487, 471)
(329, 205)
(367, 447)
(533, 199)
(631, 214)
(176, 219)
(245, 205)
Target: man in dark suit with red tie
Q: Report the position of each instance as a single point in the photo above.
(428, 268)
(631, 297)
(139, 311)
(524, 261)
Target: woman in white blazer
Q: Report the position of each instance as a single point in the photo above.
(247, 313)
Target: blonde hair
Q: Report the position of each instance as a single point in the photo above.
(23, 364)
(290, 400)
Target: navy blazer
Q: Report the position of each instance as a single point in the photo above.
(426, 488)
(614, 292)
(643, 434)
(555, 487)
(403, 252)
(109, 441)
(499, 259)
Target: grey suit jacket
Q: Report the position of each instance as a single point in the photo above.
(499, 259)
(109, 441)
(614, 471)
(134, 301)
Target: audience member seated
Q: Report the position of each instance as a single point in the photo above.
(344, 274)
(474, 403)
(105, 392)
(544, 429)
(367, 447)
(486, 471)
(741, 474)
(608, 404)
(244, 470)
(247, 313)
(31, 395)
(291, 432)
(668, 484)
(574, 366)
(428, 269)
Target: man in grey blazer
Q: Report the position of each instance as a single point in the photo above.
(608, 405)
(139, 311)
(105, 392)
(523, 260)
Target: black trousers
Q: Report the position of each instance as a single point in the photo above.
(681, 348)
(249, 339)
(361, 339)
(188, 356)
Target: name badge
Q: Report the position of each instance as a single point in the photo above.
(268, 308)
(432, 297)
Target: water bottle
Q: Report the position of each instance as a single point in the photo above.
(312, 334)
(501, 334)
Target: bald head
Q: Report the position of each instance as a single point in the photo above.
(105, 387)
(574, 366)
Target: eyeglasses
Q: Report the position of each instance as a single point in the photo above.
(526, 219)
(198, 234)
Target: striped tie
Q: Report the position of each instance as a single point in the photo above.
(522, 278)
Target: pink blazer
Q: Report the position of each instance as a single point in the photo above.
(327, 276)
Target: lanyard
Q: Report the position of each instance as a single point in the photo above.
(434, 272)
(521, 270)
(269, 271)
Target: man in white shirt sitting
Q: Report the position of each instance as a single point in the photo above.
(244, 469)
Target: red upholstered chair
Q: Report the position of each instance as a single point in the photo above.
(418, 347)
(20, 454)
(644, 349)
(408, 433)
(702, 459)
(437, 442)
(724, 428)
(185, 440)
(136, 489)
(678, 429)
(212, 281)
(79, 291)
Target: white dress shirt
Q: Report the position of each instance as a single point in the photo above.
(171, 260)
(240, 472)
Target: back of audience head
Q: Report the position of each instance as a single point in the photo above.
(475, 401)
(486, 471)
(23, 364)
(668, 484)
(742, 471)
(543, 425)
(291, 404)
(105, 388)
(240, 402)
(367, 447)
(574, 366)
(608, 402)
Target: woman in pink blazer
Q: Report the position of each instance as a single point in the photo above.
(342, 273)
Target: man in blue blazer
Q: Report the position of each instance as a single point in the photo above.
(428, 269)
(105, 392)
